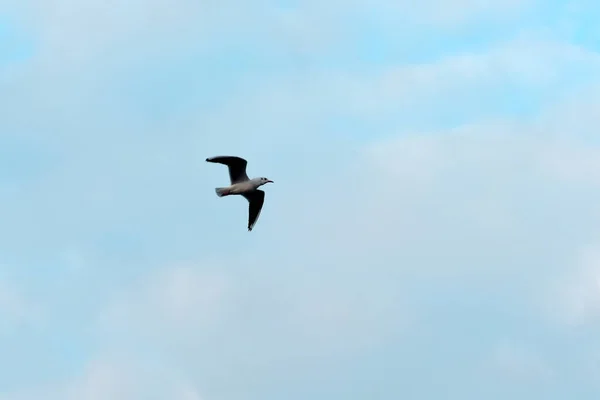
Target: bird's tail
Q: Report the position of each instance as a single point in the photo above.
(222, 191)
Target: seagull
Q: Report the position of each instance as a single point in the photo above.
(242, 185)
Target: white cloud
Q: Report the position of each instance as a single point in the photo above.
(114, 379)
(15, 308)
(517, 362)
(126, 381)
(338, 276)
(77, 36)
(472, 193)
(458, 12)
(576, 299)
(237, 320)
(492, 162)
(458, 84)
(103, 381)
(310, 23)
(190, 304)
(85, 27)
(178, 297)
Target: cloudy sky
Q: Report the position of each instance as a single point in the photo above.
(432, 233)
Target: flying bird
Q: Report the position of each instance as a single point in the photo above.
(242, 185)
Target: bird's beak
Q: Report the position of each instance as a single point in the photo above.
(270, 181)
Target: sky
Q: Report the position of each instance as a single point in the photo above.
(432, 232)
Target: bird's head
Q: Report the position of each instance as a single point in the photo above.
(264, 180)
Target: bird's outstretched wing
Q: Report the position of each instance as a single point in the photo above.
(237, 167)
(256, 200)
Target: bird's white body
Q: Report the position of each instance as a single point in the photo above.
(240, 187)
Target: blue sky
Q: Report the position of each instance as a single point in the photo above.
(444, 243)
